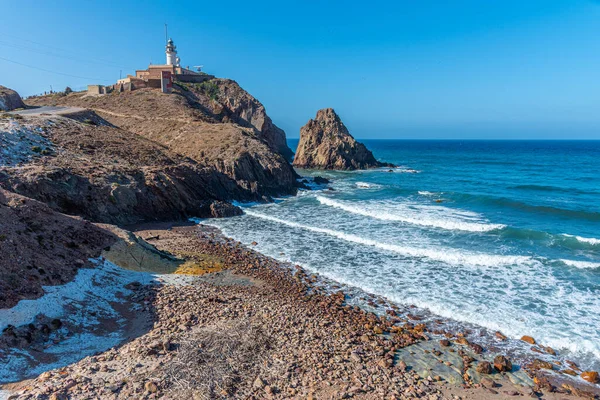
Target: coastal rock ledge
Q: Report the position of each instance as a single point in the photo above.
(325, 143)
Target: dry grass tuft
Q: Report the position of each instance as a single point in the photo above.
(214, 361)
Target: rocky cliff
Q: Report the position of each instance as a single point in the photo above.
(216, 124)
(9, 99)
(228, 102)
(325, 143)
(106, 174)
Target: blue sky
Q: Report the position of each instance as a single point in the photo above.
(484, 69)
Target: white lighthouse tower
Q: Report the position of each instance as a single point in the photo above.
(171, 52)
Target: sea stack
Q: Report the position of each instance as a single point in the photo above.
(325, 143)
(9, 99)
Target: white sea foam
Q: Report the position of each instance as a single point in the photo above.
(581, 264)
(446, 255)
(535, 301)
(592, 241)
(405, 214)
(366, 185)
(426, 193)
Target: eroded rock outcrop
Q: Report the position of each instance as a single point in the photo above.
(106, 174)
(9, 99)
(325, 143)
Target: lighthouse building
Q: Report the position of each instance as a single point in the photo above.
(151, 77)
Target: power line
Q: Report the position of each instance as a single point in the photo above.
(54, 72)
(62, 56)
(99, 60)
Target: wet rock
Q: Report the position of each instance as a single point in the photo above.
(502, 364)
(55, 324)
(500, 336)
(445, 342)
(540, 364)
(590, 376)
(528, 339)
(477, 349)
(319, 180)
(223, 209)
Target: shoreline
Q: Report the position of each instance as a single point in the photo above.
(343, 340)
(545, 365)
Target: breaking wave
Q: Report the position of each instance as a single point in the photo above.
(445, 255)
(410, 217)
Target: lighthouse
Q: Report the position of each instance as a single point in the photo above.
(171, 52)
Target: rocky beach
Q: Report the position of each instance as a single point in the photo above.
(256, 328)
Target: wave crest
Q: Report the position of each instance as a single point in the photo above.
(422, 220)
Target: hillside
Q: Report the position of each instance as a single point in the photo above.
(216, 124)
(89, 168)
(40, 247)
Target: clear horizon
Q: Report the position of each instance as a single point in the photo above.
(460, 71)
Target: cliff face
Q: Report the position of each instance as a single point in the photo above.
(228, 102)
(215, 124)
(325, 143)
(9, 99)
(106, 174)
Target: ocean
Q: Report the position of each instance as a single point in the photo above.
(503, 235)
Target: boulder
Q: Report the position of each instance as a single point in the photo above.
(528, 339)
(223, 209)
(325, 143)
(9, 99)
(484, 367)
(502, 363)
(590, 376)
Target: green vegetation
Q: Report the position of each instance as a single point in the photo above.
(36, 149)
(209, 88)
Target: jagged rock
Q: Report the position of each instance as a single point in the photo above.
(9, 99)
(325, 143)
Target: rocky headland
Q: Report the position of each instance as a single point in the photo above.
(215, 124)
(325, 143)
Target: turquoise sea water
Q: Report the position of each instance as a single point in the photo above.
(504, 235)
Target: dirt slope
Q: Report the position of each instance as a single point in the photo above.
(39, 246)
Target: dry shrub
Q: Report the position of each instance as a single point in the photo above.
(213, 361)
